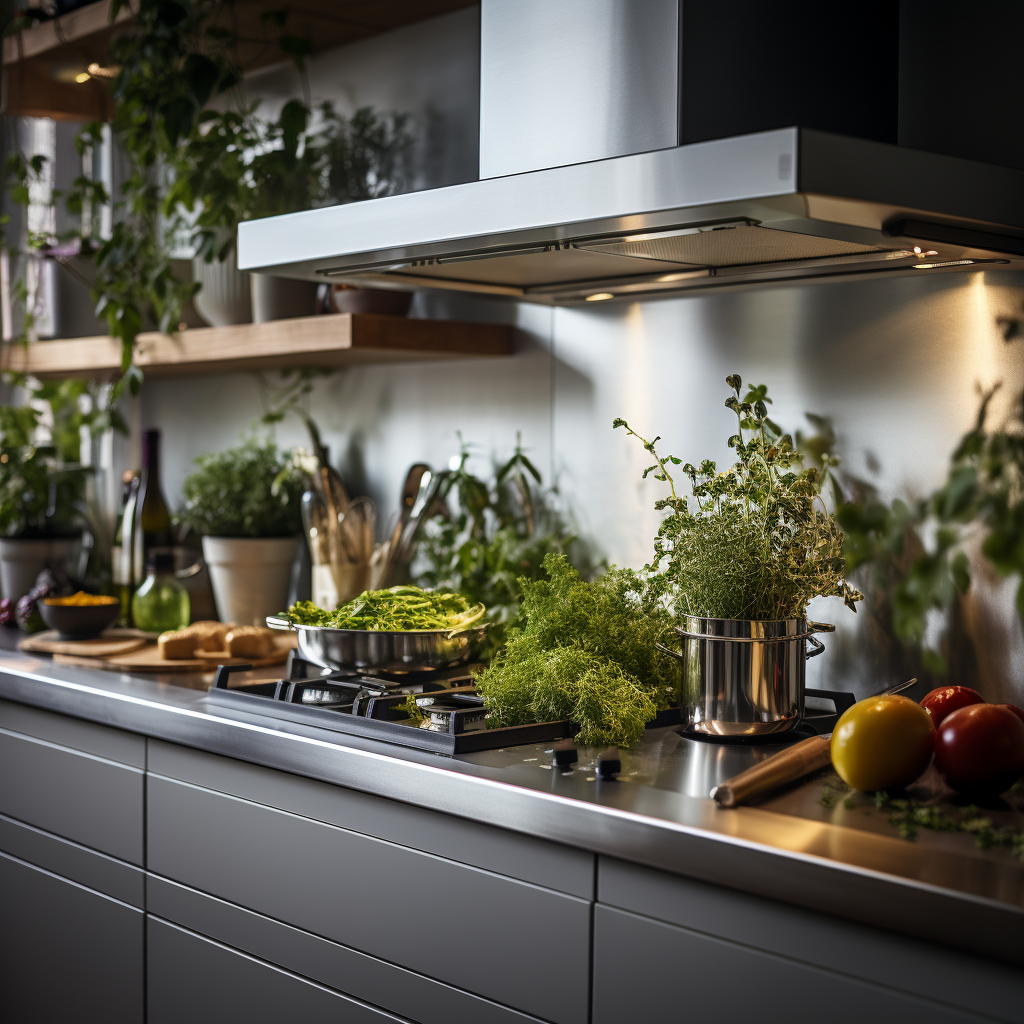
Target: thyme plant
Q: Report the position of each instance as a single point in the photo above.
(757, 541)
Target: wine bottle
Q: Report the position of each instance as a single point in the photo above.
(153, 518)
(120, 553)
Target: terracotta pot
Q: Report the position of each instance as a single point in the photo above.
(346, 298)
(250, 576)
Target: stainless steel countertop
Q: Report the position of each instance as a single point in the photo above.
(847, 863)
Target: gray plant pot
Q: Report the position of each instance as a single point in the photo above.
(278, 298)
(22, 560)
(250, 576)
(225, 297)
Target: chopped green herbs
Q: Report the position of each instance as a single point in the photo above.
(399, 609)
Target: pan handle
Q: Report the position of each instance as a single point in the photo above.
(667, 650)
(276, 622)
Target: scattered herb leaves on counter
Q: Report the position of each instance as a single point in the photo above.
(398, 609)
(760, 542)
(583, 651)
(253, 490)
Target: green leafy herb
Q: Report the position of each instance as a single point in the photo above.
(399, 608)
(759, 543)
(497, 533)
(249, 491)
(583, 651)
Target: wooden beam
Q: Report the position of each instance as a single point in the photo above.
(340, 339)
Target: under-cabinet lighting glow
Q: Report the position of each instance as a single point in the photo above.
(944, 263)
(918, 251)
(600, 296)
(99, 71)
(83, 76)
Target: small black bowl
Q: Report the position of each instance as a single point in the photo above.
(79, 621)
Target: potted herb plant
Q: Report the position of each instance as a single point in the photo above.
(42, 483)
(739, 565)
(245, 504)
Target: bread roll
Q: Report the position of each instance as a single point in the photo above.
(177, 645)
(212, 636)
(249, 642)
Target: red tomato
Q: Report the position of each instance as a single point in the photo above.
(947, 699)
(1019, 712)
(980, 749)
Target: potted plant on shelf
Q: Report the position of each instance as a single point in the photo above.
(245, 504)
(738, 568)
(238, 166)
(42, 483)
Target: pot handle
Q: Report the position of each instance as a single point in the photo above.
(276, 622)
(668, 650)
(821, 627)
(816, 645)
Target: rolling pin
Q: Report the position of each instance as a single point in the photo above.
(788, 765)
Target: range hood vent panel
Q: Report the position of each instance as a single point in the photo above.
(735, 246)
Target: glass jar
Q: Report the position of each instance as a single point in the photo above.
(161, 603)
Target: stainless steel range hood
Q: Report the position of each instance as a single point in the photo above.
(570, 211)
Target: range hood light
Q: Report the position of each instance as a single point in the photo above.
(922, 253)
(600, 296)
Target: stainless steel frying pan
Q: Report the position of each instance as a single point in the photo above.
(385, 651)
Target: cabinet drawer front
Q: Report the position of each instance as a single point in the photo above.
(469, 842)
(918, 968)
(647, 970)
(101, 740)
(66, 954)
(338, 967)
(192, 979)
(86, 867)
(94, 802)
(481, 932)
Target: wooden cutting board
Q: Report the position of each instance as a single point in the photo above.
(147, 659)
(112, 643)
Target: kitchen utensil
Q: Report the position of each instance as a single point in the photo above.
(788, 765)
(744, 677)
(366, 650)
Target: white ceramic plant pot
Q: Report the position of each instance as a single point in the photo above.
(250, 576)
(225, 297)
(278, 298)
(22, 560)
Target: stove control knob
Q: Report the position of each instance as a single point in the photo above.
(564, 755)
(609, 763)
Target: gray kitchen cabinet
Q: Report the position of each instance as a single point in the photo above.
(73, 779)
(475, 930)
(203, 982)
(67, 953)
(670, 947)
(339, 968)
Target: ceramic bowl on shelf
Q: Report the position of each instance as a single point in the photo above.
(79, 621)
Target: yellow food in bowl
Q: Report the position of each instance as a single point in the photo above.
(81, 600)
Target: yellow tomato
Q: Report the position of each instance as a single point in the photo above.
(882, 743)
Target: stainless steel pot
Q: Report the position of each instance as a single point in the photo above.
(744, 677)
(365, 650)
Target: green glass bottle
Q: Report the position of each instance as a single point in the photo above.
(161, 603)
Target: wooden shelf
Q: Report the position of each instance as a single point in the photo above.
(40, 62)
(334, 340)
